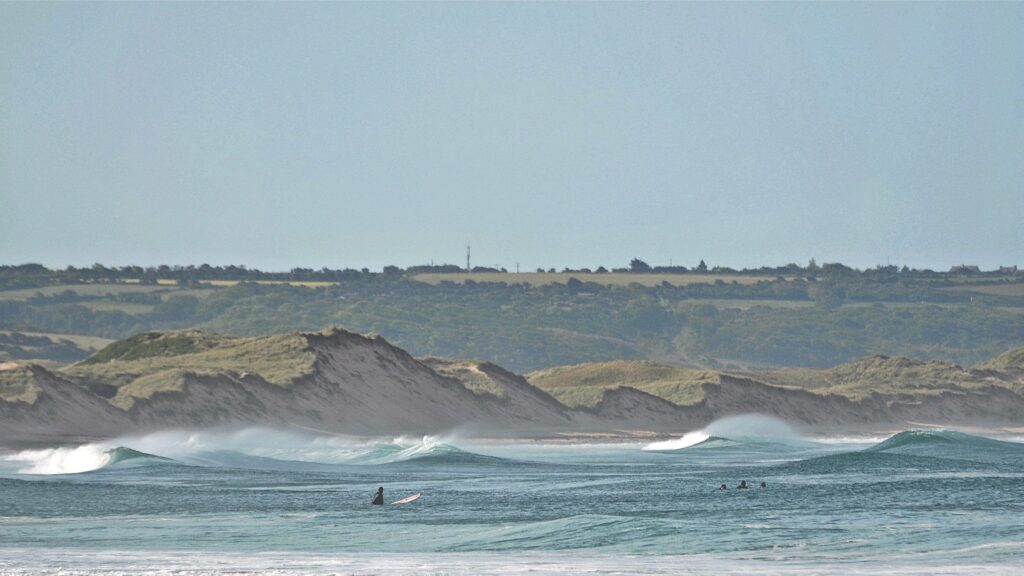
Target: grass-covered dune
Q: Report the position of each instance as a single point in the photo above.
(339, 381)
(334, 380)
(1009, 361)
(584, 385)
(152, 362)
(17, 384)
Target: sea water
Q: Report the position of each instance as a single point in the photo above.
(269, 502)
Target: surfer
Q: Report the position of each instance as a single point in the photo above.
(743, 485)
(763, 485)
(378, 499)
(723, 487)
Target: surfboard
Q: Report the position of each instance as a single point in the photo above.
(407, 499)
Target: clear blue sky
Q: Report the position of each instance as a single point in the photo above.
(569, 134)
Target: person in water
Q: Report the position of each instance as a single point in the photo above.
(763, 485)
(723, 487)
(378, 498)
(743, 485)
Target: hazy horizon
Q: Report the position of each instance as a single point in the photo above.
(548, 135)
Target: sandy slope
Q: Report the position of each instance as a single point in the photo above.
(366, 386)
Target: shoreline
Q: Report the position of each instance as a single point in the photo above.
(68, 562)
(565, 438)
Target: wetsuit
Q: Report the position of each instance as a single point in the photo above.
(379, 498)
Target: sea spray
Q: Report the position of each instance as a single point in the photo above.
(71, 460)
(245, 448)
(746, 428)
(689, 439)
(62, 460)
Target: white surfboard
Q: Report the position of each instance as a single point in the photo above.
(407, 499)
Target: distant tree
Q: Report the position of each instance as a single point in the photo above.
(812, 266)
(702, 267)
(836, 269)
(638, 266)
(601, 270)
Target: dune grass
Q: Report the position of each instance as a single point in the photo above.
(18, 385)
(880, 375)
(583, 385)
(1011, 360)
(467, 372)
(154, 362)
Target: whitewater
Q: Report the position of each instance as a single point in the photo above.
(261, 501)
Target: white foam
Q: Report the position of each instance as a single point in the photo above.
(756, 427)
(201, 447)
(850, 439)
(688, 439)
(61, 460)
(18, 562)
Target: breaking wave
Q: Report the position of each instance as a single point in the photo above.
(249, 448)
(73, 460)
(734, 431)
(319, 452)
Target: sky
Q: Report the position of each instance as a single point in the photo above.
(281, 135)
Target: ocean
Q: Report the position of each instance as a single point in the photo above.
(260, 501)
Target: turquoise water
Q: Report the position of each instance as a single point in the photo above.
(260, 501)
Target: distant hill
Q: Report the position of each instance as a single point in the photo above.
(763, 318)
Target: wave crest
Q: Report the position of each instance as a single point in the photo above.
(248, 448)
(732, 431)
(71, 460)
(909, 440)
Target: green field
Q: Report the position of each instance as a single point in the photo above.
(102, 290)
(126, 307)
(530, 321)
(307, 284)
(83, 342)
(80, 289)
(609, 279)
(1015, 289)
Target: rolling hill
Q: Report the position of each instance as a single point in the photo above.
(341, 382)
